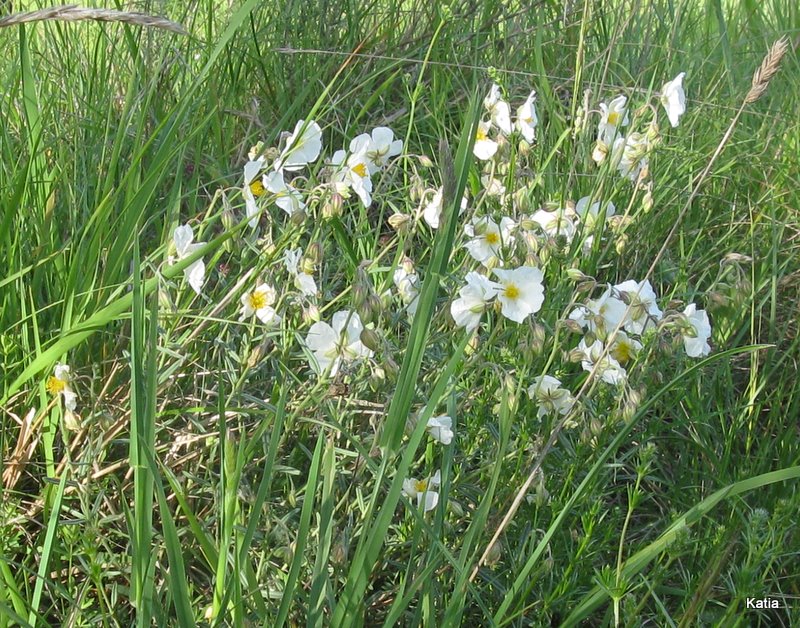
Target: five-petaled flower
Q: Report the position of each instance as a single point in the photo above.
(421, 490)
(338, 342)
(195, 273)
(258, 303)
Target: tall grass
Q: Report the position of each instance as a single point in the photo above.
(213, 481)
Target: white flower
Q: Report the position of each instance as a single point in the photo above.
(644, 310)
(433, 209)
(195, 273)
(499, 111)
(302, 280)
(252, 188)
(493, 187)
(420, 489)
(487, 237)
(630, 155)
(589, 213)
(382, 147)
(608, 369)
(59, 383)
(527, 120)
(287, 197)
(601, 315)
(353, 171)
(613, 116)
(336, 343)
(674, 99)
(467, 309)
(302, 147)
(521, 292)
(696, 340)
(440, 429)
(549, 395)
(555, 223)
(623, 349)
(484, 148)
(407, 284)
(258, 303)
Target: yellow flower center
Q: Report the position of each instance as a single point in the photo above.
(511, 291)
(421, 486)
(257, 188)
(257, 300)
(480, 135)
(622, 352)
(55, 385)
(492, 238)
(613, 118)
(360, 169)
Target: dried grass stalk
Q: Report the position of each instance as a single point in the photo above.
(74, 13)
(768, 69)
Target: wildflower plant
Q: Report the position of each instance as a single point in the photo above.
(407, 370)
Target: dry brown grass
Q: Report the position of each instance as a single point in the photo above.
(74, 13)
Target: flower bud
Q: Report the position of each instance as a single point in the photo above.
(494, 555)
(311, 314)
(332, 207)
(400, 222)
(417, 189)
(576, 356)
(647, 201)
(599, 152)
(371, 339)
(576, 275)
(298, 218)
(425, 161)
(572, 326)
(523, 148)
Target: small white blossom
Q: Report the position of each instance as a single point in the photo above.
(287, 198)
(421, 490)
(302, 147)
(623, 349)
(473, 299)
(258, 303)
(555, 223)
(441, 429)
(407, 284)
(696, 341)
(674, 99)
(302, 280)
(353, 171)
(432, 213)
(644, 310)
(601, 315)
(613, 116)
(630, 155)
(550, 397)
(487, 237)
(336, 343)
(252, 188)
(499, 110)
(608, 369)
(382, 147)
(527, 120)
(485, 147)
(589, 212)
(521, 292)
(195, 273)
(60, 384)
